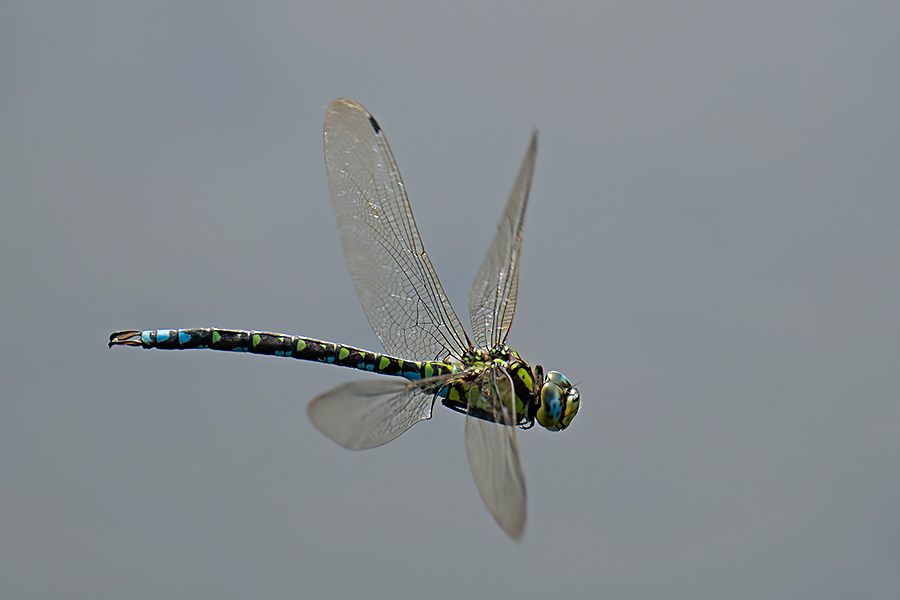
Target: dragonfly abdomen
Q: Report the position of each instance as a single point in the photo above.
(279, 344)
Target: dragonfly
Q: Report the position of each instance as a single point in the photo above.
(426, 346)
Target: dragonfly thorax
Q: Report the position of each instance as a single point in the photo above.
(552, 400)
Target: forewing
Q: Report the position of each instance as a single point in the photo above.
(492, 299)
(494, 456)
(395, 280)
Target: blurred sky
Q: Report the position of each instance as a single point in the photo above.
(711, 250)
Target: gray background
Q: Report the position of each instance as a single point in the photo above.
(711, 251)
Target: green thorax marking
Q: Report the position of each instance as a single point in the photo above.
(466, 390)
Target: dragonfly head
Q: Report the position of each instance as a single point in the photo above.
(559, 402)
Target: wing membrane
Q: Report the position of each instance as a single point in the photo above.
(493, 454)
(395, 280)
(369, 413)
(492, 299)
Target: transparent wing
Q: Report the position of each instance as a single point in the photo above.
(494, 455)
(492, 299)
(396, 283)
(369, 413)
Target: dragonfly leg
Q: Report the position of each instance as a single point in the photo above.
(460, 407)
(463, 408)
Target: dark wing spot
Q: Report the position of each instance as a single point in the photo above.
(374, 124)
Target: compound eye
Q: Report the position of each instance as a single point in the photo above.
(550, 412)
(559, 402)
(559, 379)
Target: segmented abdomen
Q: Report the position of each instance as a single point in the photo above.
(291, 346)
